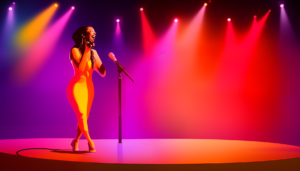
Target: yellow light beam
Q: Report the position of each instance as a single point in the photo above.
(33, 29)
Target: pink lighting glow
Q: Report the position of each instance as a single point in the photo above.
(254, 17)
(118, 20)
(188, 45)
(176, 20)
(39, 52)
(233, 50)
(25, 36)
(118, 39)
(179, 151)
(8, 26)
(73, 7)
(14, 3)
(148, 35)
(165, 60)
(281, 5)
(118, 29)
(141, 9)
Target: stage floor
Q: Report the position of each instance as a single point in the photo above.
(152, 151)
(148, 155)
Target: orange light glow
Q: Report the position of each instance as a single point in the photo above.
(157, 151)
(31, 31)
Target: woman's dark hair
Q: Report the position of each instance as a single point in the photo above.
(77, 36)
(78, 39)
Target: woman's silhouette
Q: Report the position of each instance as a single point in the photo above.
(80, 90)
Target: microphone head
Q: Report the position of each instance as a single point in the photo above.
(112, 56)
(90, 44)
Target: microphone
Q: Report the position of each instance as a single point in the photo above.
(90, 44)
(120, 67)
(113, 57)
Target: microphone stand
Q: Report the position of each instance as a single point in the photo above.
(120, 70)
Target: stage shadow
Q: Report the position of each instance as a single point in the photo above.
(69, 151)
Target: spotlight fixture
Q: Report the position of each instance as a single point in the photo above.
(141, 9)
(176, 20)
(10, 8)
(205, 4)
(14, 3)
(254, 17)
(229, 19)
(73, 7)
(118, 20)
(55, 5)
(281, 4)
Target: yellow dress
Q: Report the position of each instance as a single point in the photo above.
(80, 93)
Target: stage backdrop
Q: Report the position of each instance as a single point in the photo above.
(200, 77)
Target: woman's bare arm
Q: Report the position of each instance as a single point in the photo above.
(99, 67)
(76, 56)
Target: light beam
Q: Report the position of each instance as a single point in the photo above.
(41, 50)
(33, 29)
(147, 34)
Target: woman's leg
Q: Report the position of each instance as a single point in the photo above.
(90, 97)
(71, 95)
(90, 89)
(82, 124)
(78, 97)
(79, 133)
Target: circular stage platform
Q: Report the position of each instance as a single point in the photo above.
(151, 151)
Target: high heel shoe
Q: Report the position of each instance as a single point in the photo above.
(91, 150)
(74, 144)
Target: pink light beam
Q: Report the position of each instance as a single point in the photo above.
(41, 50)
